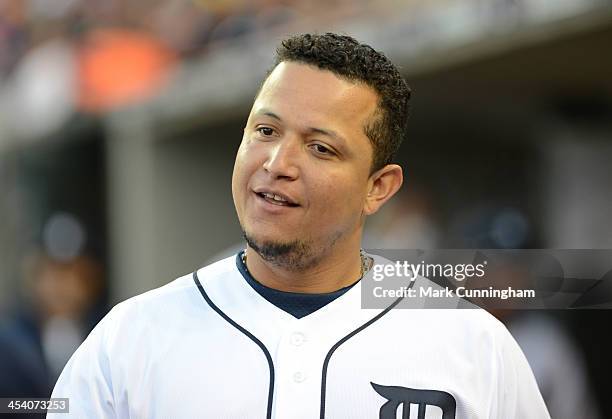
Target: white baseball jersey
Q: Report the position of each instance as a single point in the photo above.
(207, 345)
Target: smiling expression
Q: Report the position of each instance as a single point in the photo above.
(302, 169)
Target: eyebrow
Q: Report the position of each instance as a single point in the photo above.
(327, 132)
(268, 113)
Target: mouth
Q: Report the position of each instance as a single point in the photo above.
(276, 199)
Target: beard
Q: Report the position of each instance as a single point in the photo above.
(296, 255)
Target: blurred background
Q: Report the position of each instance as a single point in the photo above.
(119, 121)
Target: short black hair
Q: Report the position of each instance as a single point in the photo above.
(359, 63)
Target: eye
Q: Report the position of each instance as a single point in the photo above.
(321, 149)
(265, 131)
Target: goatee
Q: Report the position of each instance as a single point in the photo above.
(294, 255)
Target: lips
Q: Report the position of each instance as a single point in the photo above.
(276, 198)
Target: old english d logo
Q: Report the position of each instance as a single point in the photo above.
(397, 396)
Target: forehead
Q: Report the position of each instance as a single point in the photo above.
(305, 94)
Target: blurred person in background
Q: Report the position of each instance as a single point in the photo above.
(39, 337)
(557, 361)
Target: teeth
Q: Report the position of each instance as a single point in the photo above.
(273, 196)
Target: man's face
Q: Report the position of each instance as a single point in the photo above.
(304, 142)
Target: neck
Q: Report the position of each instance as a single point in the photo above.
(336, 270)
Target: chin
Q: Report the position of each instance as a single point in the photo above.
(266, 239)
(270, 232)
(267, 245)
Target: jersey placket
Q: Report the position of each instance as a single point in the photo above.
(298, 365)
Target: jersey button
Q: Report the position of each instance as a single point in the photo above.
(297, 339)
(299, 377)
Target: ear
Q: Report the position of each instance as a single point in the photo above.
(382, 185)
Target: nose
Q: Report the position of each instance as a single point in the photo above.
(282, 161)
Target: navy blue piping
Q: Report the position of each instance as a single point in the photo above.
(248, 334)
(340, 342)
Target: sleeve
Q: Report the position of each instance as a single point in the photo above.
(86, 378)
(521, 397)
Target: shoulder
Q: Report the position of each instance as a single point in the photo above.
(470, 333)
(173, 303)
(465, 322)
(184, 284)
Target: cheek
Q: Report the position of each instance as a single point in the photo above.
(239, 176)
(241, 166)
(339, 196)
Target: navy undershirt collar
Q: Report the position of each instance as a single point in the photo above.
(295, 303)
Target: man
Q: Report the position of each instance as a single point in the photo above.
(278, 331)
